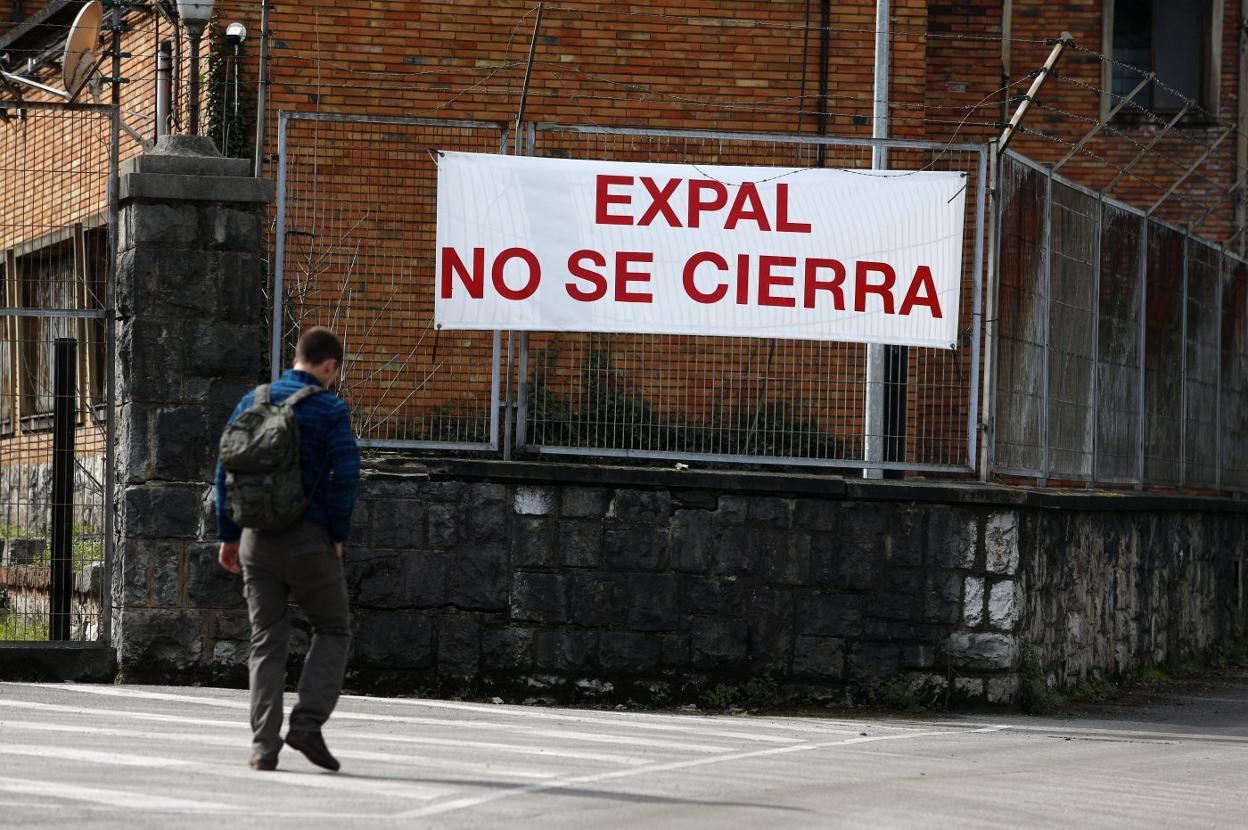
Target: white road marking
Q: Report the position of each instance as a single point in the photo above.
(124, 799)
(521, 749)
(589, 737)
(394, 788)
(235, 744)
(1061, 731)
(468, 802)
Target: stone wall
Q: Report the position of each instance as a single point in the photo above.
(655, 586)
(190, 342)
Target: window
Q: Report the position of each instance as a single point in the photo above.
(1178, 40)
(63, 271)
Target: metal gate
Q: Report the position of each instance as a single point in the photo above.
(57, 227)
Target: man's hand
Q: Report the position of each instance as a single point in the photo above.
(338, 549)
(228, 557)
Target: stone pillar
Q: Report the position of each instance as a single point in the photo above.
(190, 341)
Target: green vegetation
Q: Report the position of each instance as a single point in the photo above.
(894, 695)
(24, 628)
(757, 694)
(1034, 694)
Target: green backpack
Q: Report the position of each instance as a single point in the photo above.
(260, 454)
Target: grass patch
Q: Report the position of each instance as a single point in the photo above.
(893, 695)
(757, 694)
(1035, 696)
(22, 628)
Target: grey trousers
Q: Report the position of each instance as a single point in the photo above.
(298, 562)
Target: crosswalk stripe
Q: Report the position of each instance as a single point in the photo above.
(236, 744)
(398, 789)
(113, 798)
(588, 737)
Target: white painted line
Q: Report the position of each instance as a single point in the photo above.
(469, 802)
(590, 737)
(344, 734)
(124, 799)
(241, 746)
(1064, 730)
(91, 756)
(342, 783)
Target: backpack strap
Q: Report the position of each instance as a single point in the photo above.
(263, 395)
(301, 395)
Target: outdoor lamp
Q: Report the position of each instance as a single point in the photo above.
(195, 15)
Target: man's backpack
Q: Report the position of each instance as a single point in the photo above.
(260, 454)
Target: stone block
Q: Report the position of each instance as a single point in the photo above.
(649, 601)
(1001, 543)
(718, 643)
(585, 502)
(534, 501)
(361, 522)
(564, 649)
(397, 525)
(974, 651)
(674, 650)
(220, 349)
(819, 658)
(580, 543)
(918, 656)
(159, 645)
(393, 640)
(828, 615)
(1002, 689)
(151, 573)
(484, 522)
(648, 506)
(629, 652)
(168, 511)
(860, 567)
(151, 361)
(593, 599)
(771, 632)
(231, 229)
(209, 585)
(477, 578)
(953, 538)
(943, 597)
(871, 662)
(715, 595)
(973, 602)
(693, 540)
(239, 285)
(539, 597)
(459, 645)
(442, 492)
(422, 579)
(635, 547)
(816, 515)
(1003, 606)
(159, 225)
(181, 448)
(884, 605)
(443, 525)
(736, 552)
(769, 511)
(374, 579)
(969, 687)
(786, 557)
(232, 625)
(507, 649)
(732, 510)
(533, 544)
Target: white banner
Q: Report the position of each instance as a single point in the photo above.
(545, 244)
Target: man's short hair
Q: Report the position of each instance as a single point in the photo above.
(317, 345)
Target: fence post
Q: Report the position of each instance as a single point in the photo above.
(1187, 241)
(977, 312)
(1093, 409)
(989, 416)
(1217, 429)
(1048, 326)
(1141, 421)
(279, 258)
(64, 423)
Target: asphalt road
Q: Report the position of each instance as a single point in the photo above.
(142, 757)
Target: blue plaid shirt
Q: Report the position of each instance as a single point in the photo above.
(330, 458)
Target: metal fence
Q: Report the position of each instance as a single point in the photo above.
(1119, 343)
(356, 220)
(55, 402)
(355, 248)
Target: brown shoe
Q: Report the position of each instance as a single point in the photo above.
(262, 764)
(312, 745)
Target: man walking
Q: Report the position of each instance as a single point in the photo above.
(292, 547)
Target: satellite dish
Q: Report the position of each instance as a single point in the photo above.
(81, 56)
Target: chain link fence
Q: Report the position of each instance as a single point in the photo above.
(356, 220)
(54, 354)
(1119, 344)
